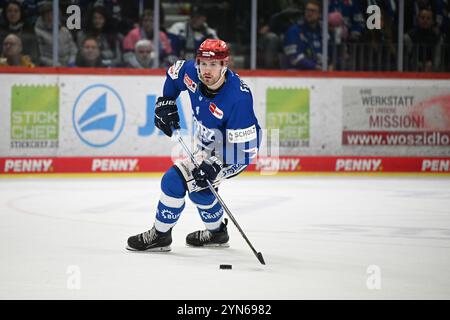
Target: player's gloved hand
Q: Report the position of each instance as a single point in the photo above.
(208, 170)
(166, 115)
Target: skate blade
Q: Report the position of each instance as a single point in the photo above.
(160, 249)
(213, 245)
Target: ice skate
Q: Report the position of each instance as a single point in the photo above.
(151, 240)
(206, 238)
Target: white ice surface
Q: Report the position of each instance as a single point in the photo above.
(318, 236)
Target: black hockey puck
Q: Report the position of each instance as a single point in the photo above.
(225, 266)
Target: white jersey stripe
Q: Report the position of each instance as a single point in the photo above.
(206, 207)
(171, 201)
(162, 226)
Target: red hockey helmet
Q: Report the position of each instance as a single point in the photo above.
(213, 49)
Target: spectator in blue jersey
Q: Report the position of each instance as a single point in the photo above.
(303, 41)
(186, 36)
(352, 13)
(227, 135)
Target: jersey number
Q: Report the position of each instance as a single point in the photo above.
(244, 87)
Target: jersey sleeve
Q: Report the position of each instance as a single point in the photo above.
(174, 83)
(295, 47)
(243, 133)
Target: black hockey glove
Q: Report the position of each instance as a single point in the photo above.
(166, 115)
(208, 170)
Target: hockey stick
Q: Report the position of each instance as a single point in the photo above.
(210, 186)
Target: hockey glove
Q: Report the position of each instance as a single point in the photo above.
(208, 170)
(166, 115)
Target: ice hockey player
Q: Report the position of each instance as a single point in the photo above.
(227, 139)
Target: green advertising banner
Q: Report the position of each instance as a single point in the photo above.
(288, 111)
(34, 116)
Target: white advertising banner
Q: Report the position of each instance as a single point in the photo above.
(57, 115)
(396, 116)
(79, 115)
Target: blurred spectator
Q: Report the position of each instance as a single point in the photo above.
(303, 41)
(44, 33)
(269, 45)
(128, 13)
(145, 31)
(12, 53)
(439, 8)
(143, 55)
(14, 22)
(29, 10)
(98, 27)
(187, 36)
(271, 28)
(422, 44)
(352, 13)
(337, 28)
(338, 32)
(223, 13)
(380, 53)
(89, 55)
(283, 20)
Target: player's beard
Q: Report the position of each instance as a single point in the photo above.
(214, 83)
(209, 80)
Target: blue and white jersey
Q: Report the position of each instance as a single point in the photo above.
(225, 125)
(303, 47)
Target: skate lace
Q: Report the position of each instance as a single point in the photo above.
(205, 235)
(149, 236)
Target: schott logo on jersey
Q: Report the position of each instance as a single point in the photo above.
(242, 135)
(190, 84)
(215, 111)
(204, 133)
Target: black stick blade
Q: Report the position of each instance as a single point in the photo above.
(260, 258)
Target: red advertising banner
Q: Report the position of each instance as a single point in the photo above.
(266, 166)
(411, 138)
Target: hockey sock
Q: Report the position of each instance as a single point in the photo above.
(211, 215)
(168, 211)
(171, 203)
